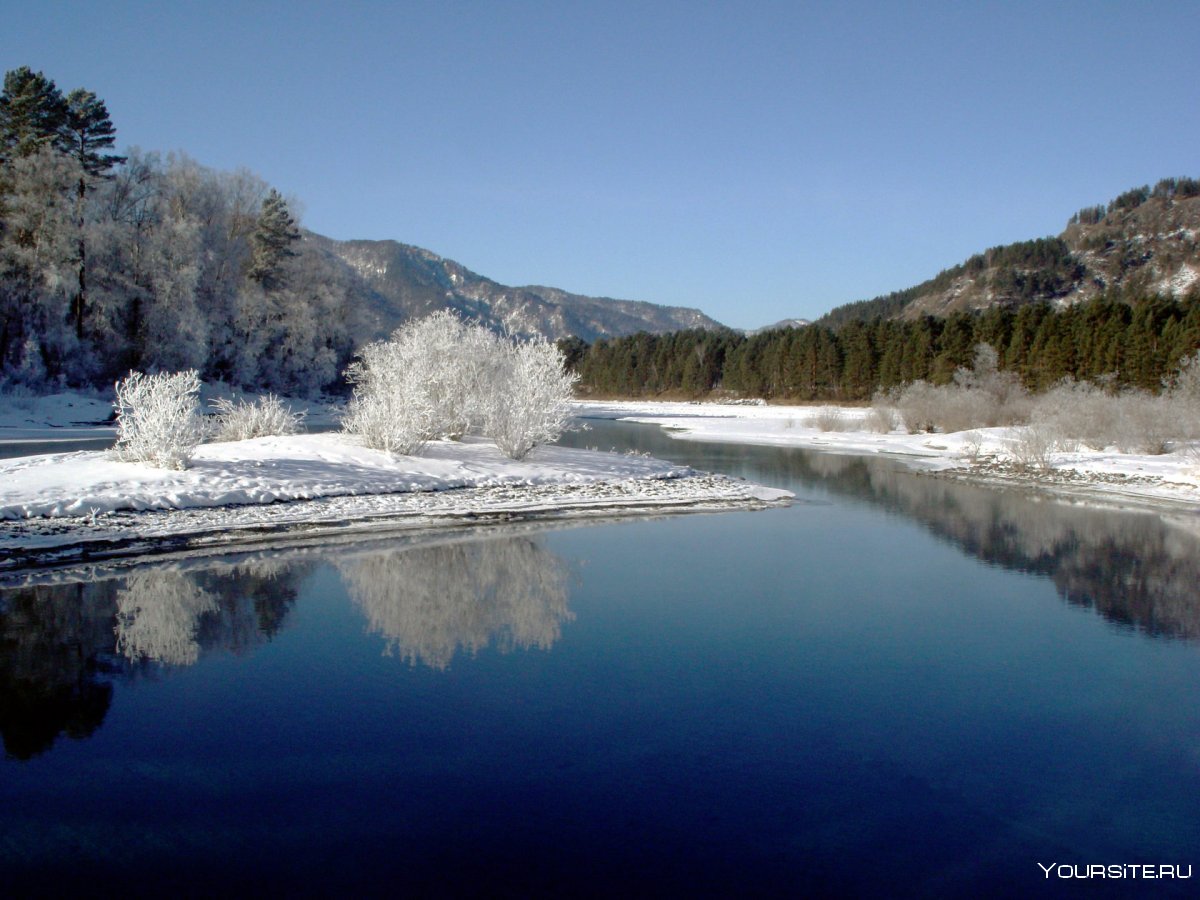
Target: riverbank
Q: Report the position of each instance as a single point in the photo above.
(86, 505)
(1007, 456)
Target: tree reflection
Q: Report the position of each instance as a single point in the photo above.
(56, 664)
(1136, 569)
(63, 644)
(430, 602)
(157, 615)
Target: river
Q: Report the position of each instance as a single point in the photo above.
(900, 685)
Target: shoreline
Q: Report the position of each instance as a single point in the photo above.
(70, 508)
(36, 544)
(1165, 482)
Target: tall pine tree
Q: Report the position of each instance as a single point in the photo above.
(271, 243)
(32, 114)
(87, 131)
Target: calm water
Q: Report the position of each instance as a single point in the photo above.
(898, 686)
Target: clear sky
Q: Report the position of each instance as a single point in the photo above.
(757, 160)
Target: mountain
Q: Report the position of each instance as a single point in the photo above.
(782, 323)
(406, 281)
(1143, 242)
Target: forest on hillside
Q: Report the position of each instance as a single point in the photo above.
(116, 262)
(1134, 343)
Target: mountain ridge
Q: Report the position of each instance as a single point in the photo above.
(406, 281)
(1142, 242)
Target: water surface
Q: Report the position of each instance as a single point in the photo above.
(898, 686)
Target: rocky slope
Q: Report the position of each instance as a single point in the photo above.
(1143, 242)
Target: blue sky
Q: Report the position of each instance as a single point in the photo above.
(757, 160)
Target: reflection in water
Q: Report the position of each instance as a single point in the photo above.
(157, 614)
(429, 602)
(1134, 569)
(63, 643)
(1137, 569)
(56, 662)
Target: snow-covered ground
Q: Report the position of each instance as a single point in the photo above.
(999, 454)
(59, 506)
(58, 417)
(296, 467)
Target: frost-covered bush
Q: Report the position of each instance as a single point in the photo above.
(238, 420)
(829, 418)
(1147, 423)
(1032, 447)
(1132, 420)
(979, 397)
(1078, 412)
(882, 417)
(530, 401)
(439, 378)
(158, 418)
(391, 408)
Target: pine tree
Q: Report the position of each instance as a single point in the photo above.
(32, 113)
(86, 132)
(271, 242)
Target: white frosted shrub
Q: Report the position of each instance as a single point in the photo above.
(882, 418)
(1146, 422)
(917, 404)
(1033, 446)
(158, 418)
(530, 401)
(1079, 412)
(1133, 420)
(979, 397)
(439, 378)
(829, 418)
(391, 409)
(239, 420)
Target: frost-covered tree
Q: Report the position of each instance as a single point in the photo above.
(37, 259)
(391, 409)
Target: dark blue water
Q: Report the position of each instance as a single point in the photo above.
(898, 686)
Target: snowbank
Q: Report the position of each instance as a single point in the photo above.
(1000, 454)
(296, 467)
(68, 507)
(65, 416)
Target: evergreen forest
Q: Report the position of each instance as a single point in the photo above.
(1128, 343)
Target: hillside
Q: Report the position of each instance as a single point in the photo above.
(407, 281)
(1143, 242)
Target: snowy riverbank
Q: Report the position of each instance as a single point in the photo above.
(63, 506)
(985, 454)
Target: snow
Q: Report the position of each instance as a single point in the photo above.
(981, 454)
(64, 416)
(87, 505)
(296, 467)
